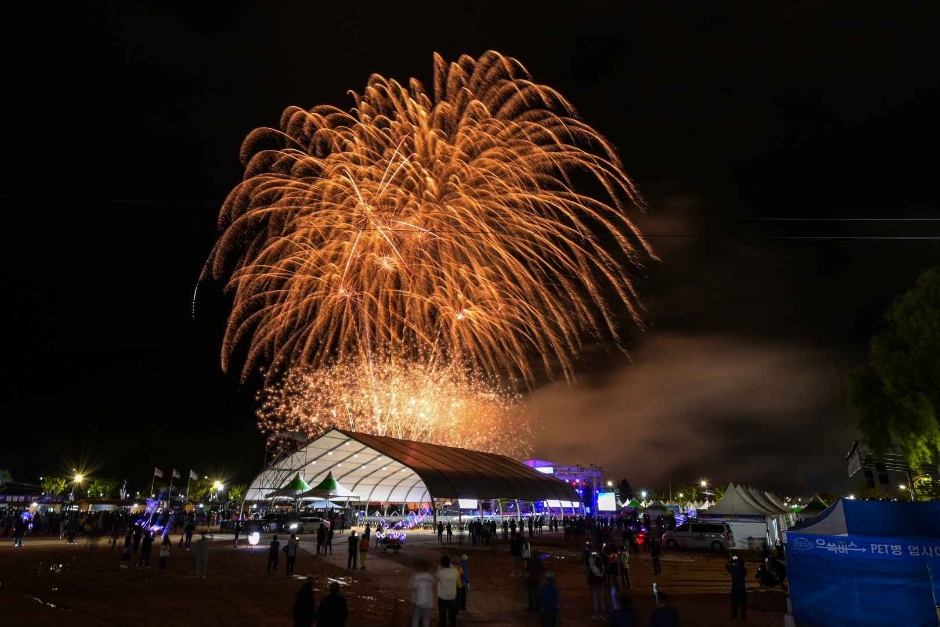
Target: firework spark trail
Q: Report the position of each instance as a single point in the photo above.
(441, 405)
(418, 224)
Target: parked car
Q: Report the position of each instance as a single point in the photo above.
(700, 535)
(306, 524)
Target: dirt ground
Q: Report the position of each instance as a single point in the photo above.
(82, 585)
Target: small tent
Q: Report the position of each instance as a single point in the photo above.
(866, 563)
(656, 509)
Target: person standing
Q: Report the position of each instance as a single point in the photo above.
(363, 550)
(329, 541)
(202, 557)
(624, 557)
(446, 593)
(353, 558)
(305, 605)
(421, 585)
(273, 554)
(164, 552)
(533, 573)
(291, 550)
(238, 532)
(321, 539)
(738, 587)
(126, 551)
(515, 552)
(548, 602)
(624, 615)
(440, 531)
(450, 533)
(333, 609)
(656, 550)
(665, 615)
(595, 577)
(464, 588)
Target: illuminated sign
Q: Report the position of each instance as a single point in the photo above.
(607, 502)
(548, 470)
(467, 503)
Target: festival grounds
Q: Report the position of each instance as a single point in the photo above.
(48, 581)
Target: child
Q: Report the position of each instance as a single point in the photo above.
(164, 552)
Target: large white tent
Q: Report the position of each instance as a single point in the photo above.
(750, 514)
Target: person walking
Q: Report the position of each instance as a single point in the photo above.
(189, 530)
(353, 559)
(665, 615)
(291, 551)
(656, 550)
(305, 605)
(333, 609)
(421, 585)
(202, 556)
(446, 593)
(238, 532)
(321, 539)
(164, 552)
(115, 534)
(738, 587)
(515, 553)
(464, 588)
(363, 551)
(146, 548)
(273, 554)
(548, 602)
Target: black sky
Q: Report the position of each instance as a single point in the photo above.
(123, 129)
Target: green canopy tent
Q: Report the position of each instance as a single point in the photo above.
(328, 489)
(293, 489)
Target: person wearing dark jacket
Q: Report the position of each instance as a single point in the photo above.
(353, 551)
(305, 605)
(624, 615)
(738, 587)
(656, 550)
(333, 609)
(548, 602)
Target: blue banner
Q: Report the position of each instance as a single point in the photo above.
(864, 547)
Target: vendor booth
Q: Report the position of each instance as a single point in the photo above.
(866, 563)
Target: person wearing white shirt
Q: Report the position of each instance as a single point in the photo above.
(421, 585)
(447, 593)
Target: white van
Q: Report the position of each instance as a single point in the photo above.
(700, 535)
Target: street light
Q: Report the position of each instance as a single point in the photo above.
(902, 487)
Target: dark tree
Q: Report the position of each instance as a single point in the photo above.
(624, 491)
(897, 393)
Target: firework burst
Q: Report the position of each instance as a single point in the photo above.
(425, 404)
(431, 227)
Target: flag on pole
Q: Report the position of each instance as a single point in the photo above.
(193, 475)
(176, 475)
(157, 472)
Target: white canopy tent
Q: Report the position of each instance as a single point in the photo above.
(746, 517)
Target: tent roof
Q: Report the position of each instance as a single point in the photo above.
(329, 488)
(875, 518)
(734, 503)
(378, 468)
(657, 505)
(298, 484)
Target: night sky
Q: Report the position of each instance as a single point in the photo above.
(760, 137)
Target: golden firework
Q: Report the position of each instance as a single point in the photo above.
(442, 405)
(431, 227)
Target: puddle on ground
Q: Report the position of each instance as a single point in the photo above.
(48, 604)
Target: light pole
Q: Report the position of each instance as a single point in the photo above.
(704, 484)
